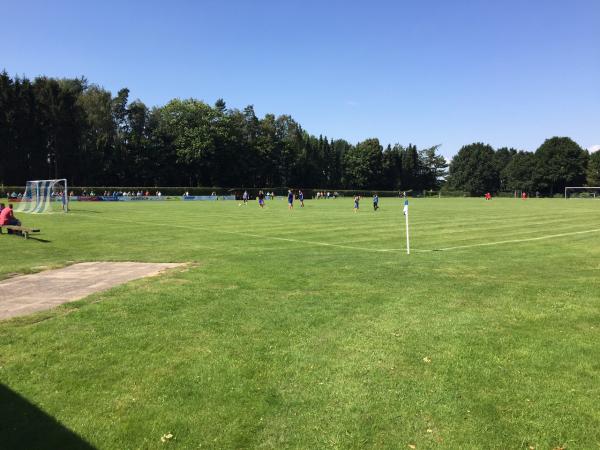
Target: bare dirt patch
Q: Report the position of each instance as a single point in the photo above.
(26, 294)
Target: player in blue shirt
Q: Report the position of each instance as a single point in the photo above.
(301, 198)
(375, 202)
(290, 199)
(356, 200)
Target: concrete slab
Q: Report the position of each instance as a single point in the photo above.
(26, 294)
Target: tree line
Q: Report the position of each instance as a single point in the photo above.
(69, 128)
(559, 162)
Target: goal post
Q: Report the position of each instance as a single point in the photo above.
(582, 192)
(45, 196)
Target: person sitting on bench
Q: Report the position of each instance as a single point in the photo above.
(7, 217)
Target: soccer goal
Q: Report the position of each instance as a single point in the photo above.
(582, 192)
(44, 196)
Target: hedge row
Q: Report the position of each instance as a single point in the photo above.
(180, 190)
(281, 191)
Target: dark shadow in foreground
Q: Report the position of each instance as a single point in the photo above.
(24, 426)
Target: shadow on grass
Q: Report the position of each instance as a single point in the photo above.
(33, 238)
(45, 241)
(77, 210)
(24, 426)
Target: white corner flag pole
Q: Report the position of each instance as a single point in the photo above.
(406, 219)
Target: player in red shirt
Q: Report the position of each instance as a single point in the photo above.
(5, 215)
(8, 218)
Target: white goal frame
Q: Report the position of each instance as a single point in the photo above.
(39, 196)
(581, 188)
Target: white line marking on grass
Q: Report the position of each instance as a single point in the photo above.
(259, 236)
(350, 247)
(515, 241)
(327, 244)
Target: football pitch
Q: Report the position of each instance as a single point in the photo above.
(312, 328)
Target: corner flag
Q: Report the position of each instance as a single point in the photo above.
(406, 217)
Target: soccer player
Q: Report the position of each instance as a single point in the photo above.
(261, 199)
(356, 201)
(301, 198)
(290, 199)
(375, 202)
(524, 195)
(245, 197)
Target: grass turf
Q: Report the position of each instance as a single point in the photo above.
(314, 329)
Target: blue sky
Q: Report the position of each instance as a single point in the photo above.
(508, 73)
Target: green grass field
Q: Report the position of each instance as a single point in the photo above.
(314, 329)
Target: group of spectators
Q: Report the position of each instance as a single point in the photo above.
(14, 195)
(326, 195)
(120, 194)
(7, 215)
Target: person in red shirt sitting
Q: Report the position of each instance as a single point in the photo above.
(4, 214)
(7, 217)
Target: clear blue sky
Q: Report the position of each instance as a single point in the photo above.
(508, 73)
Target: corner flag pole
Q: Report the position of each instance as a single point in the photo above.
(406, 219)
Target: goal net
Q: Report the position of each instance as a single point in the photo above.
(44, 196)
(582, 192)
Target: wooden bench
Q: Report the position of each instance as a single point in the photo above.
(24, 231)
